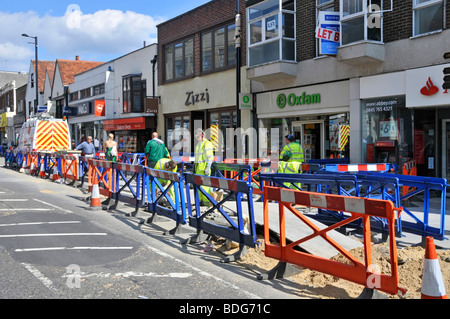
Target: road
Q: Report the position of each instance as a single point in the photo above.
(53, 247)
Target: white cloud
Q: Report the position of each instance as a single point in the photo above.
(90, 36)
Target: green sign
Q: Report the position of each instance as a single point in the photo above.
(293, 99)
(246, 101)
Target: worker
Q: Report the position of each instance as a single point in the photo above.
(166, 164)
(204, 156)
(291, 158)
(155, 150)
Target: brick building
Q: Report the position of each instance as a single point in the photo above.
(383, 78)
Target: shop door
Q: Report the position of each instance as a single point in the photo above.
(446, 149)
(311, 136)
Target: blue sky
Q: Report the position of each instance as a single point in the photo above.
(93, 30)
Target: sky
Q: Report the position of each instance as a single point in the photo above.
(94, 30)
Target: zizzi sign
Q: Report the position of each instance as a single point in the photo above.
(293, 99)
(193, 98)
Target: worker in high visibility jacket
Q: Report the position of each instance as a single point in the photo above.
(204, 157)
(166, 164)
(291, 158)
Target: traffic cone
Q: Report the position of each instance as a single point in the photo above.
(42, 170)
(96, 203)
(55, 174)
(432, 282)
(32, 168)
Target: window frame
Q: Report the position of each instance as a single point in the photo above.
(279, 14)
(420, 6)
(128, 92)
(226, 54)
(173, 47)
(364, 14)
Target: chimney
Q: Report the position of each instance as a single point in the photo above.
(77, 58)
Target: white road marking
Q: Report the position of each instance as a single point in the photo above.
(51, 205)
(71, 248)
(14, 200)
(39, 223)
(36, 273)
(132, 274)
(25, 209)
(53, 235)
(203, 273)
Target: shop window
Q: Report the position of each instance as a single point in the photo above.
(179, 60)
(217, 48)
(221, 121)
(322, 5)
(427, 16)
(361, 20)
(134, 94)
(178, 131)
(386, 131)
(271, 28)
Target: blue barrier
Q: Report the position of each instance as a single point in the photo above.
(354, 168)
(133, 158)
(240, 171)
(118, 192)
(423, 186)
(223, 226)
(168, 201)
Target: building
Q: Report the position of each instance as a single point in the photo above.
(32, 101)
(353, 79)
(116, 97)
(12, 94)
(200, 77)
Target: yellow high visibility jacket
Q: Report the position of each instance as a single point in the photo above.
(160, 165)
(204, 153)
(296, 152)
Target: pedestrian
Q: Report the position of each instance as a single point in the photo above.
(87, 147)
(166, 164)
(204, 157)
(291, 158)
(110, 148)
(155, 150)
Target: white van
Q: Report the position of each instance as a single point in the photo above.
(44, 134)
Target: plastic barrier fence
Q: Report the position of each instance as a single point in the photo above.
(166, 200)
(69, 168)
(133, 158)
(383, 167)
(354, 270)
(240, 229)
(126, 193)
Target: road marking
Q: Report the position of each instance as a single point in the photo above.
(203, 273)
(14, 200)
(36, 273)
(72, 248)
(53, 235)
(51, 205)
(25, 209)
(132, 274)
(40, 223)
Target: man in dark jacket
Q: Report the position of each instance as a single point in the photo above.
(155, 150)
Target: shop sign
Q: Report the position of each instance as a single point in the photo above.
(246, 101)
(194, 98)
(99, 107)
(84, 108)
(293, 99)
(130, 124)
(70, 111)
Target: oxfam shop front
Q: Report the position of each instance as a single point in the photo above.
(318, 116)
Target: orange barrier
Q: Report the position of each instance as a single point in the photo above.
(69, 167)
(255, 163)
(104, 175)
(33, 159)
(354, 270)
(410, 169)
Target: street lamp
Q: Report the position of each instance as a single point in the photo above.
(36, 81)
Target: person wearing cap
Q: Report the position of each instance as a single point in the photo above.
(166, 164)
(204, 157)
(291, 157)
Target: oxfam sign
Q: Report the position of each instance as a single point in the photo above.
(293, 99)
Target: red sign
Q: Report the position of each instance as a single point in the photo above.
(99, 107)
(131, 124)
(429, 89)
(327, 34)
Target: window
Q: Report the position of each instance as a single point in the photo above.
(271, 32)
(99, 89)
(85, 93)
(218, 48)
(179, 60)
(134, 93)
(427, 16)
(361, 20)
(74, 96)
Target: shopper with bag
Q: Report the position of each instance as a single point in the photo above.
(111, 149)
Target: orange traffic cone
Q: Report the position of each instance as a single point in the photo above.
(32, 168)
(55, 174)
(42, 170)
(96, 203)
(432, 282)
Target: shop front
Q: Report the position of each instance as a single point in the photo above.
(131, 134)
(318, 116)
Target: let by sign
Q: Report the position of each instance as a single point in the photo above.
(327, 34)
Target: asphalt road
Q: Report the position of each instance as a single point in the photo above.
(52, 247)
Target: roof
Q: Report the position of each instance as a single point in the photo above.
(42, 70)
(69, 68)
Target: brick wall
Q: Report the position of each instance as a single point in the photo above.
(192, 23)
